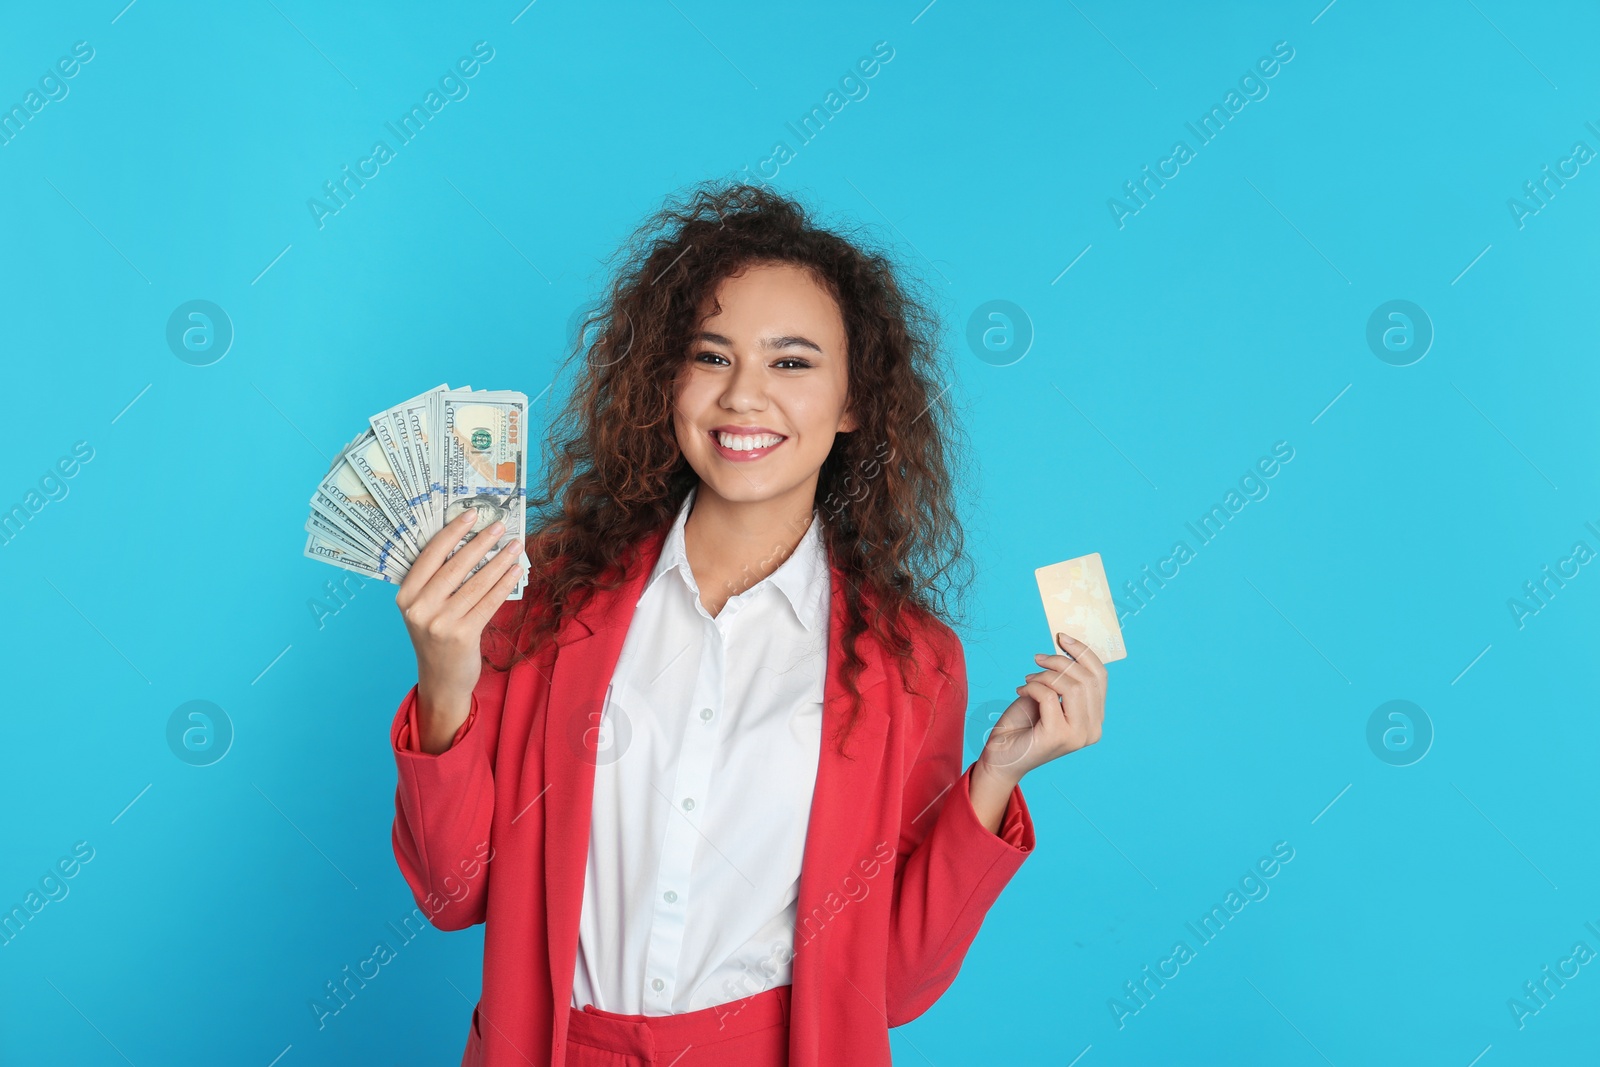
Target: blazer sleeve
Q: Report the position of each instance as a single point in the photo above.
(951, 867)
(444, 805)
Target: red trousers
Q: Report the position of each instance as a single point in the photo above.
(753, 1032)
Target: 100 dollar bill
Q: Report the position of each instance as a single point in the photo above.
(484, 441)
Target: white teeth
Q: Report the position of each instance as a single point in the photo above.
(745, 444)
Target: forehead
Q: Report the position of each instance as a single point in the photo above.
(769, 297)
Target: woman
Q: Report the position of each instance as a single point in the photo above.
(708, 794)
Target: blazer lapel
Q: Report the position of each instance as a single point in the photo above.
(844, 784)
(588, 645)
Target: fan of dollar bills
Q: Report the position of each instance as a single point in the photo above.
(417, 467)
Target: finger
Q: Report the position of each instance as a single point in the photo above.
(1078, 711)
(432, 555)
(1069, 691)
(455, 570)
(464, 599)
(1062, 683)
(1049, 700)
(1069, 727)
(1081, 696)
(1065, 667)
(490, 602)
(1057, 728)
(457, 567)
(1084, 707)
(1082, 653)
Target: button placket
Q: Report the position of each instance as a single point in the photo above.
(690, 790)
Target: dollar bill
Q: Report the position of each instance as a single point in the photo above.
(404, 431)
(345, 499)
(367, 459)
(484, 439)
(340, 554)
(415, 468)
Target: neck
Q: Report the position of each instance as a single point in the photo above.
(733, 544)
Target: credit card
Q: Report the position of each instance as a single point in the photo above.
(1077, 602)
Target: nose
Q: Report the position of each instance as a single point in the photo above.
(746, 388)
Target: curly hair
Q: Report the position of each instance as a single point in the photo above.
(614, 472)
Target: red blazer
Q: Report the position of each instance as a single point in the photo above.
(897, 874)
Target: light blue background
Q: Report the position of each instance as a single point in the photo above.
(1227, 315)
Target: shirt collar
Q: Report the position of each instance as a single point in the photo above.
(799, 577)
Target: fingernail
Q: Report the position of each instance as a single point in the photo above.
(495, 530)
(1038, 657)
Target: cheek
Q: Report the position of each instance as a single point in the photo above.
(694, 405)
(683, 432)
(686, 403)
(817, 423)
(820, 409)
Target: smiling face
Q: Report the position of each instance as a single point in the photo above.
(762, 390)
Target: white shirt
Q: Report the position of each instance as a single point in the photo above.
(707, 761)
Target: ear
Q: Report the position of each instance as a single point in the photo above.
(847, 423)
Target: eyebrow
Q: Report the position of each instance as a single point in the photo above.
(766, 342)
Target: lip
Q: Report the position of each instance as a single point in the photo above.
(753, 454)
(744, 430)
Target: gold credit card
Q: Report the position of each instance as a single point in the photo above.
(1077, 602)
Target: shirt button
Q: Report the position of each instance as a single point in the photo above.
(657, 984)
(688, 803)
(706, 713)
(670, 895)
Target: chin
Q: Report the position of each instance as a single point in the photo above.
(743, 490)
(743, 487)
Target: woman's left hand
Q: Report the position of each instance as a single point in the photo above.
(1058, 710)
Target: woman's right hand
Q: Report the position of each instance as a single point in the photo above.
(446, 623)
